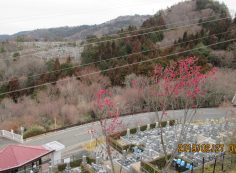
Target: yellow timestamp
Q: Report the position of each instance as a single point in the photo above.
(206, 148)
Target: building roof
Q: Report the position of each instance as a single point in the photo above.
(55, 145)
(14, 156)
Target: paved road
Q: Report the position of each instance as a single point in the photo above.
(4, 142)
(71, 137)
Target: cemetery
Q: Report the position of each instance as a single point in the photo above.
(140, 149)
(144, 144)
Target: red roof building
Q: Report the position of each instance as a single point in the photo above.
(17, 157)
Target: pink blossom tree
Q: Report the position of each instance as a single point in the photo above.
(178, 85)
(109, 119)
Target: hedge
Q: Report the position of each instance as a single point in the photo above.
(116, 136)
(172, 122)
(160, 162)
(149, 168)
(163, 124)
(61, 167)
(143, 128)
(90, 160)
(153, 125)
(117, 146)
(133, 131)
(74, 164)
(154, 166)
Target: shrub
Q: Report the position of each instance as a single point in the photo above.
(73, 44)
(67, 69)
(16, 54)
(143, 128)
(61, 167)
(216, 6)
(90, 160)
(163, 124)
(2, 50)
(133, 131)
(153, 125)
(3, 88)
(201, 4)
(215, 60)
(76, 163)
(172, 122)
(33, 131)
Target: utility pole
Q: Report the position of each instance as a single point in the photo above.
(192, 168)
(55, 122)
(214, 165)
(223, 158)
(203, 162)
(22, 129)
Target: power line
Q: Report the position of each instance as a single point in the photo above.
(157, 26)
(136, 53)
(168, 29)
(135, 35)
(153, 27)
(114, 68)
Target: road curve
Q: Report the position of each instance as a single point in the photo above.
(72, 137)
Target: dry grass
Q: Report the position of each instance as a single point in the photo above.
(228, 167)
(91, 146)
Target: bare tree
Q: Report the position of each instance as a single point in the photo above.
(109, 120)
(179, 82)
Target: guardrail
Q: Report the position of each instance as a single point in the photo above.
(11, 135)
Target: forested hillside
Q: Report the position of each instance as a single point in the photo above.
(66, 86)
(213, 25)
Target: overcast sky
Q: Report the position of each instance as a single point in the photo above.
(22, 15)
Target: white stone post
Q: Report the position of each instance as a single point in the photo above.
(148, 126)
(84, 160)
(128, 133)
(138, 129)
(157, 124)
(109, 169)
(12, 132)
(168, 123)
(50, 169)
(97, 160)
(124, 154)
(150, 152)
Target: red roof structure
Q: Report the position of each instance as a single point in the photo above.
(15, 156)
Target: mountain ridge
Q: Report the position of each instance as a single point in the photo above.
(78, 32)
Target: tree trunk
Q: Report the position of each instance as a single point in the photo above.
(109, 154)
